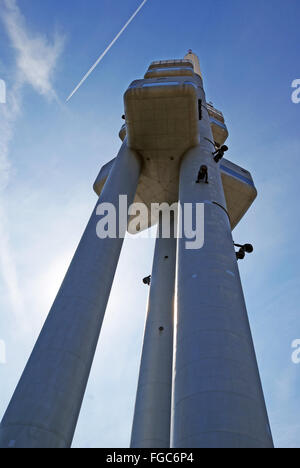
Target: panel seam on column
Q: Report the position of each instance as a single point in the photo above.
(217, 391)
(229, 432)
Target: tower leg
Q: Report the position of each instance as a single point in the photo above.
(217, 394)
(45, 407)
(152, 416)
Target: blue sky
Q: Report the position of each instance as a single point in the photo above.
(50, 154)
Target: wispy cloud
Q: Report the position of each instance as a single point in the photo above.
(36, 56)
(36, 60)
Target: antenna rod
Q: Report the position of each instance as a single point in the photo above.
(106, 50)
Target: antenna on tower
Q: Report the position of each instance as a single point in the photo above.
(106, 50)
(195, 60)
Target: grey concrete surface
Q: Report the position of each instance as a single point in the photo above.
(45, 407)
(217, 394)
(152, 416)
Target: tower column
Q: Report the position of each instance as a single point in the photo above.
(45, 407)
(152, 416)
(217, 394)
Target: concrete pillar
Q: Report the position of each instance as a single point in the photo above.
(217, 394)
(152, 416)
(45, 407)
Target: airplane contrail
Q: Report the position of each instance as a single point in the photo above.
(106, 50)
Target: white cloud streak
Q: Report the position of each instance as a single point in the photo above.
(36, 59)
(107, 50)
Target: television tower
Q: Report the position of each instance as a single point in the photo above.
(199, 384)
